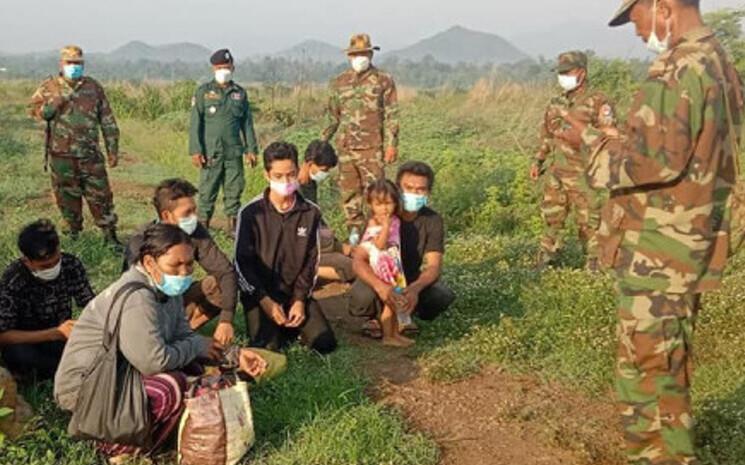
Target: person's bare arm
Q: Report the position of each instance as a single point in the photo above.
(381, 240)
(15, 337)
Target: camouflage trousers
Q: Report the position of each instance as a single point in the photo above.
(224, 172)
(357, 169)
(74, 178)
(653, 376)
(564, 191)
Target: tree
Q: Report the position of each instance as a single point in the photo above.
(726, 24)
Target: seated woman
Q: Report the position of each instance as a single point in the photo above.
(154, 335)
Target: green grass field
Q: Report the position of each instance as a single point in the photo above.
(557, 324)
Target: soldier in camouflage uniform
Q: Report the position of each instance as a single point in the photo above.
(221, 137)
(363, 112)
(75, 107)
(564, 186)
(665, 230)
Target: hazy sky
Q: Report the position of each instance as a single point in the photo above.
(250, 26)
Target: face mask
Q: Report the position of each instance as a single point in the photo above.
(188, 224)
(50, 274)
(319, 176)
(223, 76)
(567, 82)
(361, 63)
(412, 203)
(72, 71)
(654, 43)
(285, 189)
(172, 285)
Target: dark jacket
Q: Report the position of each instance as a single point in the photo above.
(277, 254)
(210, 258)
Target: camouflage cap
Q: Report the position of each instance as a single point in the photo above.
(71, 53)
(622, 15)
(360, 43)
(571, 60)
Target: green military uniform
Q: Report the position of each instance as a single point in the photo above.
(363, 113)
(76, 110)
(564, 186)
(222, 130)
(665, 231)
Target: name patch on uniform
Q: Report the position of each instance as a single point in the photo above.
(236, 96)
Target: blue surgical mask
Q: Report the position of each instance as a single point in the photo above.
(319, 176)
(174, 286)
(412, 203)
(188, 224)
(73, 71)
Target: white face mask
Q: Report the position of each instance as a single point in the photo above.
(50, 274)
(188, 224)
(223, 76)
(567, 82)
(654, 43)
(361, 63)
(319, 176)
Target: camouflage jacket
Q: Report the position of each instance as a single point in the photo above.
(363, 110)
(221, 121)
(75, 124)
(591, 107)
(670, 173)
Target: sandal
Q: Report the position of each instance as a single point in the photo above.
(371, 328)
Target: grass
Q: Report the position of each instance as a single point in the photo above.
(556, 324)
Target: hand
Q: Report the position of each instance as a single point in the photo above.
(347, 249)
(387, 294)
(65, 329)
(297, 314)
(198, 160)
(251, 159)
(571, 132)
(215, 351)
(224, 333)
(113, 160)
(251, 363)
(274, 311)
(57, 101)
(391, 155)
(535, 171)
(411, 294)
(611, 132)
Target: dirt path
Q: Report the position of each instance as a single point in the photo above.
(494, 418)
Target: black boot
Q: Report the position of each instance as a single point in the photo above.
(112, 241)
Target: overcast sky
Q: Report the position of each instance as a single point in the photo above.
(250, 26)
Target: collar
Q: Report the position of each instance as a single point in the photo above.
(697, 34)
(143, 275)
(299, 205)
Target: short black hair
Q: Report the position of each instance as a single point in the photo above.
(321, 153)
(171, 190)
(417, 168)
(279, 151)
(159, 238)
(38, 240)
(696, 3)
(383, 188)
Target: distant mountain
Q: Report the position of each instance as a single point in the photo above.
(313, 50)
(137, 50)
(459, 44)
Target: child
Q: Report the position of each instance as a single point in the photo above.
(382, 240)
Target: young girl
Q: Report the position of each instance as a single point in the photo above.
(382, 241)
